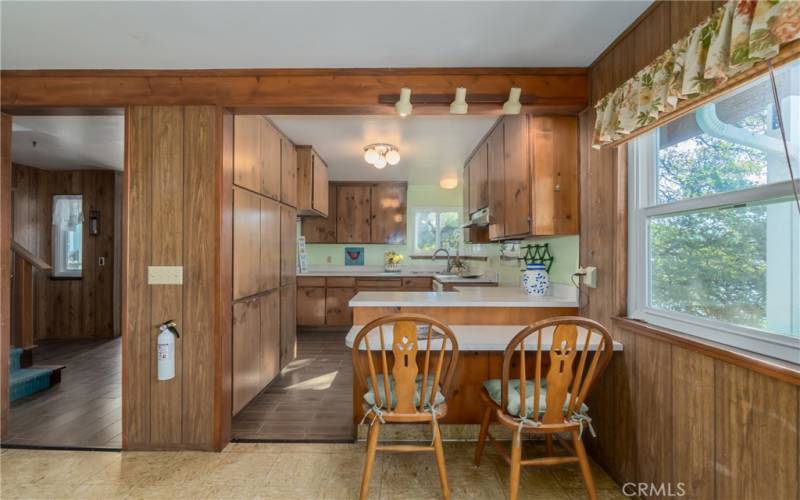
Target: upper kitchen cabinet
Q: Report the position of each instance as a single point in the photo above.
(288, 172)
(388, 206)
(353, 213)
(312, 183)
(530, 185)
(322, 229)
(256, 155)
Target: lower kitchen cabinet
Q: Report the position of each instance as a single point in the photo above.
(247, 378)
(311, 305)
(270, 347)
(288, 324)
(337, 310)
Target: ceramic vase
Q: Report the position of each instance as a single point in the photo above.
(535, 280)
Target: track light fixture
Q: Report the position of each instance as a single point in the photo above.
(512, 106)
(403, 105)
(459, 105)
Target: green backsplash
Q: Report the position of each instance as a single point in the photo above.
(563, 248)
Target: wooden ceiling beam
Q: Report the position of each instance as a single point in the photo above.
(318, 91)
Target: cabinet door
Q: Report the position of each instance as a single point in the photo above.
(478, 164)
(337, 312)
(270, 348)
(319, 200)
(517, 201)
(270, 244)
(555, 174)
(288, 324)
(271, 153)
(310, 306)
(247, 156)
(288, 173)
(246, 358)
(288, 245)
(322, 229)
(496, 182)
(353, 213)
(388, 200)
(247, 277)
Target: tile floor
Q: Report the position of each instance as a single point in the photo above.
(310, 401)
(276, 470)
(85, 409)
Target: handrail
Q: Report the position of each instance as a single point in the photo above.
(29, 257)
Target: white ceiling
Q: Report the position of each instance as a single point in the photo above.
(69, 142)
(431, 147)
(161, 35)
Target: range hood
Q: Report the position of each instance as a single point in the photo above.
(478, 219)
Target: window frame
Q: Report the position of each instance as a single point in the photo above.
(642, 205)
(438, 210)
(56, 239)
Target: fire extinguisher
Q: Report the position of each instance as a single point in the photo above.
(166, 349)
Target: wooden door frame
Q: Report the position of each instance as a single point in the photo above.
(6, 239)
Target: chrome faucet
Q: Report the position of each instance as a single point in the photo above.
(448, 266)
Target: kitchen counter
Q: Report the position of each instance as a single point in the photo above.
(475, 338)
(561, 296)
(489, 278)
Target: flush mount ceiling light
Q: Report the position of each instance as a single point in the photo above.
(403, 105)
(512, 106)
(459, 104)
(380, 155)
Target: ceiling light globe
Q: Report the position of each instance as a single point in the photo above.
(371, 156)
(393, 157)
(448, 183)
(380, 162)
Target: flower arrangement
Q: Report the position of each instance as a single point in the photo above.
(391, 261)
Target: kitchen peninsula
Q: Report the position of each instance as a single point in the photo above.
(484, 320)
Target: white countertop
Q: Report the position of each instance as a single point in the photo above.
(505, 296)
(410, 272)
(476, 338)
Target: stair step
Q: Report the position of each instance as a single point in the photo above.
(21, 357)
(27, 381)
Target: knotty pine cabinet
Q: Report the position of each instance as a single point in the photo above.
(270, 333)
(312, 183)
(288, 169)
(246, 352)
(257, 155)
(531, 177)
(361, 213)
(248, 278)
(288, 247)
(288, 324)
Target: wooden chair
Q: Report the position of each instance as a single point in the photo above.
(395, 391)
(558, 398)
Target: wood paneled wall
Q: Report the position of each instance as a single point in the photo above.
(174, 216)
(68, 308)
(666, 413)
(5, 266)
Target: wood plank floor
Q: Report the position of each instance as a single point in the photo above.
(310, 401)
(85, 409)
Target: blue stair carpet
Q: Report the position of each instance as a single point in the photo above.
(16, 358)
(27, 381)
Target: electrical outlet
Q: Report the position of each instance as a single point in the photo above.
(590, 279)
(328, 259)
(165, 275)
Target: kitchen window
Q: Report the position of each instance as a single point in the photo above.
(435, 228)
(67, 236)
(714, 242)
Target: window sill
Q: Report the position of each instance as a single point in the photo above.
(782, 370)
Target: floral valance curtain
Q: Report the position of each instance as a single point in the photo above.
(738, 35)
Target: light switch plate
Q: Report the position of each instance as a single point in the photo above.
(165, 275)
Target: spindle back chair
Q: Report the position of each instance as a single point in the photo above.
(553, 400)
(396, 390)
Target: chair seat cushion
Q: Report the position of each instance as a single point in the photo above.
(369, 396)
(493, 387)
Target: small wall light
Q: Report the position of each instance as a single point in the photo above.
(512, 106)
(94, 222)
(459, 105)
(403, 105)
(448, 182)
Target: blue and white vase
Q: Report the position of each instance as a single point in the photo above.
(535, 280)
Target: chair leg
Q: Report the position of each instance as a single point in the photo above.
(516, 464)
(583, 460)
(487, 417)
(439, 452)
(372, 449)
(548, 441)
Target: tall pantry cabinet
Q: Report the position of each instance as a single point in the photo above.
(264, 256)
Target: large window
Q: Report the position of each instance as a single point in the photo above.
(437, 228)
(715, 229)
(67, 236)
